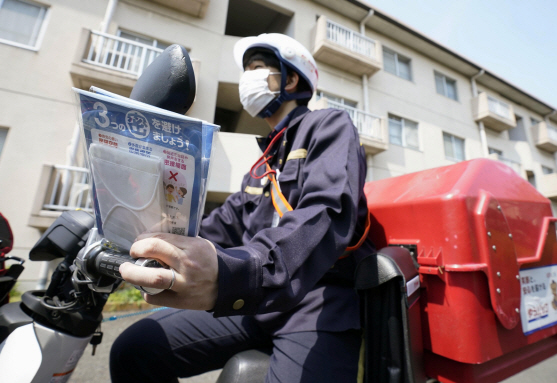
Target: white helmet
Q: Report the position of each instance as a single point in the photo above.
(289, 52)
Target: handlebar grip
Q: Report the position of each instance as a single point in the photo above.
(108, 263)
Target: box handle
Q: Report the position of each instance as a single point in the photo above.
(547, 237)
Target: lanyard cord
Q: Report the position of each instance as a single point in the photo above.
(279, 201)
(264, 159)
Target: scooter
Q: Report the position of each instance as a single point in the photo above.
(43, 337)
(460, 290)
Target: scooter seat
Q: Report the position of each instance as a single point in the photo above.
(246, 367)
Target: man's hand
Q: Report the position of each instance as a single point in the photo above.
(194, 261)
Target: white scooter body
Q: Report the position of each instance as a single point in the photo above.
(34, 353)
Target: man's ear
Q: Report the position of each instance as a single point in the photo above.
(292, 82)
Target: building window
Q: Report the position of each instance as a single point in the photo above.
(454, 147)
(531, 177)
(547, 170)
(21, 23)
(142, 39)
(495, 151)
(403, 132)
(3, 135)
(534, 121)
(335, 99)
(135, 53)
(397, 64)
(445, 86)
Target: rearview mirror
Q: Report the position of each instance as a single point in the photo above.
(168, 82)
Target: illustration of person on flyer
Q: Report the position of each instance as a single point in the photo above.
(553, 286)
(182, 191)
(170, 193)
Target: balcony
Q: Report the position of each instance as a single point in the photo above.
(61, 188)
(548, 186)
(545, 136)
(112, 63)
(514, 165)
(345, 49)
(494, 113)
(372, 129)
(234, 154)
(195, 8)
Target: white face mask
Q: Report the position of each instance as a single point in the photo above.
(129, 193)
(254, 90)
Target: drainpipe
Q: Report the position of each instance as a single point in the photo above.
(365, 82)
(483, 136)
(546, 119)
(364, 77)
(110, 8)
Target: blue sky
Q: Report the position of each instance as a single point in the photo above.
(516, 40)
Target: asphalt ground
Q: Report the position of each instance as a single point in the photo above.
(94, 369)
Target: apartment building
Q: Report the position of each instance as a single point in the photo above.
(416, 103)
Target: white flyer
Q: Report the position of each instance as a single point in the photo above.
(538, 298)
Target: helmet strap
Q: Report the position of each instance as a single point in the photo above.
(274, 105)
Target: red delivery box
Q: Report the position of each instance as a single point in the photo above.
(485, 243)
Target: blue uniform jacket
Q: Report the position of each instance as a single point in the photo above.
(290, 276)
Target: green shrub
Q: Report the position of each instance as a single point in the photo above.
(125, 293)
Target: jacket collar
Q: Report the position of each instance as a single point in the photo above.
(294, 119)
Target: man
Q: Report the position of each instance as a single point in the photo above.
(272, 267)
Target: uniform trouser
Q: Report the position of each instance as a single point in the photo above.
(182, 343)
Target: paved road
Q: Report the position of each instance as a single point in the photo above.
(94, 369)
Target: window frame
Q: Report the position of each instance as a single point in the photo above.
(452, 136)
(547, 170)
(397, 68)
(4, 131)
(403, 143)
(45, 9)
(445, 78)
(154, 43)
(534, 121)
(319, 94)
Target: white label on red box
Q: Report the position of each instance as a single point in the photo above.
(538, 303)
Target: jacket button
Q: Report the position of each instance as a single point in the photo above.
(266, 194)
(238, 304)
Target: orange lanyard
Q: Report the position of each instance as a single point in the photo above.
(279, 200)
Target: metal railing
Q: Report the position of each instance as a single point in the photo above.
(499, 107)
(350, 39)
(68, 189)
(368, 124)
(552, 132)
(119, 54)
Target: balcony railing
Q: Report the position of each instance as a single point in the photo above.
(61, 188)
(345, 49)
(119, 54)
(367, 124)
(548, 186)
(70, 189)
(494, 113)
(499, 107)
(371, 128)
(350, 39)
(545, 136)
